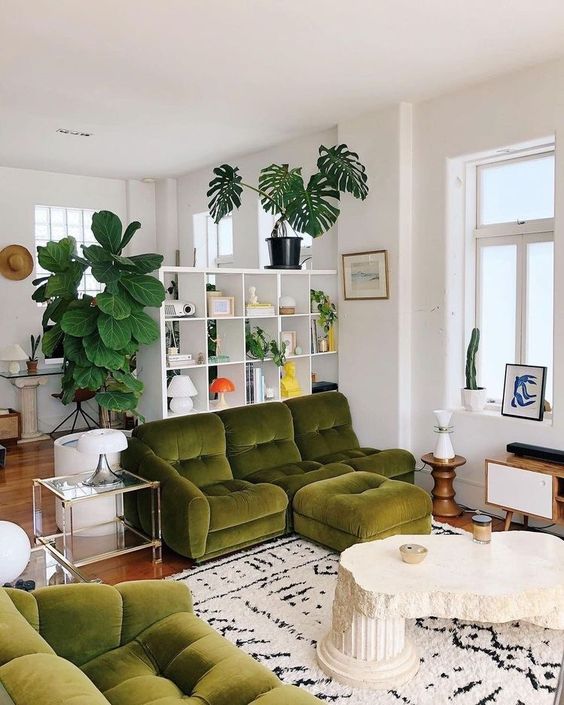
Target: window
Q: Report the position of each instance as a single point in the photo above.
(514, 266)
(265, 224)
(56, 223)
(213, 244)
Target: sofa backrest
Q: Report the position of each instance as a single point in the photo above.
(193, 444)
(18, 626)
(322, 424)
(259, 437)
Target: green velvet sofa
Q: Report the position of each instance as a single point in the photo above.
(134, 644)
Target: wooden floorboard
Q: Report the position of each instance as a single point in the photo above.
(35, 460)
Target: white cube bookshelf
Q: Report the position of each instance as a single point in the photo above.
(193, 334)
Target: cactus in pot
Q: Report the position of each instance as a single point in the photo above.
(473, 396)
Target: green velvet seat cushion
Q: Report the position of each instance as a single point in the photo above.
(393, 462)
(294, 476)
(358, 507)
(234, 502)
(286, 695)
(17, 636)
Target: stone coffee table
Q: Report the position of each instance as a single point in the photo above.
(518, 576)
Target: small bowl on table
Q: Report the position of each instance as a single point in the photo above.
(413, 553)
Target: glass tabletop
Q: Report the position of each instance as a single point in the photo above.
(41, 372)
(71, 487)
(44, 569)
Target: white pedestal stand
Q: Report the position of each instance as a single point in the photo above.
(28, 395)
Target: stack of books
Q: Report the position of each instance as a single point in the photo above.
(255, 385)
(258, 310)
(314, 336)
(180, 360)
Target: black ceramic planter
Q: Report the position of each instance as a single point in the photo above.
(284, 252)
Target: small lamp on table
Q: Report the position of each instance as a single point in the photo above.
(220, 386)
(13, 354)
(99, 442)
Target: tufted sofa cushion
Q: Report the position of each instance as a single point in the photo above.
(294, 476)
(235, 502)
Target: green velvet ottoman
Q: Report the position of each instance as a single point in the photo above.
(359, 507)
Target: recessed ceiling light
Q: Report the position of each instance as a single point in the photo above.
(148, 180)
(75, 133)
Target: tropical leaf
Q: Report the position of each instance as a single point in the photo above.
(100, 355)
(343, 170)
(130, 231)
(65, 283)
(39, 280)
(117, 401)
(143, 328)
(90, 377)
(54, 311)
(131, 383)
(79, 321)
(313, 209)
(51, 339)
(55, 256)
(278, 181)
(144, 264)
(96, 254)
(74, 351)
(224, 191)
(130, 349)
(144, 289)
(40, 294)
(114, 305)
(115, 334)
(106, 272)
(106, 227)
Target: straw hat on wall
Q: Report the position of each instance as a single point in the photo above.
(16, 262)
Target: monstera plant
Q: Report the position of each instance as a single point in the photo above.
(100, 335)
(310, 208)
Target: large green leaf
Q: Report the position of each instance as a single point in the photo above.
(129, 381)
(144, 264)
(130, 231)
(90, 377)
(130, 349)
(74, 351)
(79, 321)
(106, 227)
(343, 170)
(115, 334)
(144, 289)
(224, 191)
(65, 283)
(114, 305)
(313, 209)
(56, 256)
(51, 339)
(143, 328)
(278, 181)
(117, 401)
(54, 311)
(40, 294)
(96, 254)
(100, 355)
(106, 272)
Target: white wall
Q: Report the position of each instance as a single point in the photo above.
(192, 199)
(20, 191)
(513, 109)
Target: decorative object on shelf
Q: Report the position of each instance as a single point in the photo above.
(444, 474)
(100, 335)
(256, 343)
(253, 298)
(218, 357)
(443, 447)
(365, 275)
(101, 441)
(413, 553)
(201, 360)
(15, 551)
(16, 262)
(269, 393)
(32, 358)
(222, 386)
(482, 528)
(289, 338)
(221, 307)
(321, 305)
(259, 310)
(473, 397)
(289, 384)
(13, 354)
(287, 305)
(181, 389)
(311, 209)
(179, 309)
(278, 352)
(322, 345)
(179, 359)
(298, 350)
(523, 392)
(172, 289)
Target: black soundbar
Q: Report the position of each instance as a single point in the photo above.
(551, 455)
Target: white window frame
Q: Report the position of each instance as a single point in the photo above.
(519, 233)
(204, 225)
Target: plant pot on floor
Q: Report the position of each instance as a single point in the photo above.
(284, 252)
(474, 399)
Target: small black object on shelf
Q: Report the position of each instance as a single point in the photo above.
(324, 387)
(550, 455)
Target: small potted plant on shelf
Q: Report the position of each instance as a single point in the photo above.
(257, 343)
(321, 304)
(311, 208)
(32, 358)
(473, 397)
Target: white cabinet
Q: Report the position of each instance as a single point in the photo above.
(519, 490)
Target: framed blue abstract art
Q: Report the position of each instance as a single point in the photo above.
(523, 392)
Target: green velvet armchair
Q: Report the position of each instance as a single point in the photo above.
(206, 512)
(136, 643)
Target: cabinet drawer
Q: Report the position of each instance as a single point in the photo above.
(521, 490)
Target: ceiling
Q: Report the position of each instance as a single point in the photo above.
(167, 86)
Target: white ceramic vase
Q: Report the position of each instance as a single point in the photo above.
(474, 399)
(443, 447)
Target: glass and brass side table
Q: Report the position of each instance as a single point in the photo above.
(77, 545)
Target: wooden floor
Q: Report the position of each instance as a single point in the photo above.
(35, 460)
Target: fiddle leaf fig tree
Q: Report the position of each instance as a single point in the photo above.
(310, 208)
(101, 335)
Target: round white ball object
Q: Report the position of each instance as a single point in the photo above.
(287, 302)
(14, 551)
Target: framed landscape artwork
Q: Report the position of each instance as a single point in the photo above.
(365, 275)
(523, 392)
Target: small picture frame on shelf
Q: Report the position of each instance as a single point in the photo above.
(289, 337)
(365, 275)
(523, 391)
(221, 306)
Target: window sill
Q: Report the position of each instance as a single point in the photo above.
(493, 411)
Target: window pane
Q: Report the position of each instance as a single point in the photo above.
(498, 295)
(516, 190)
(225, 237)
(540, 297)
(41, 214)
(58, 216)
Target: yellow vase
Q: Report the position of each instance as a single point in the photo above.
(331, 339)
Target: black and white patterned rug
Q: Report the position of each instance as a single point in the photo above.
(274, 601)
